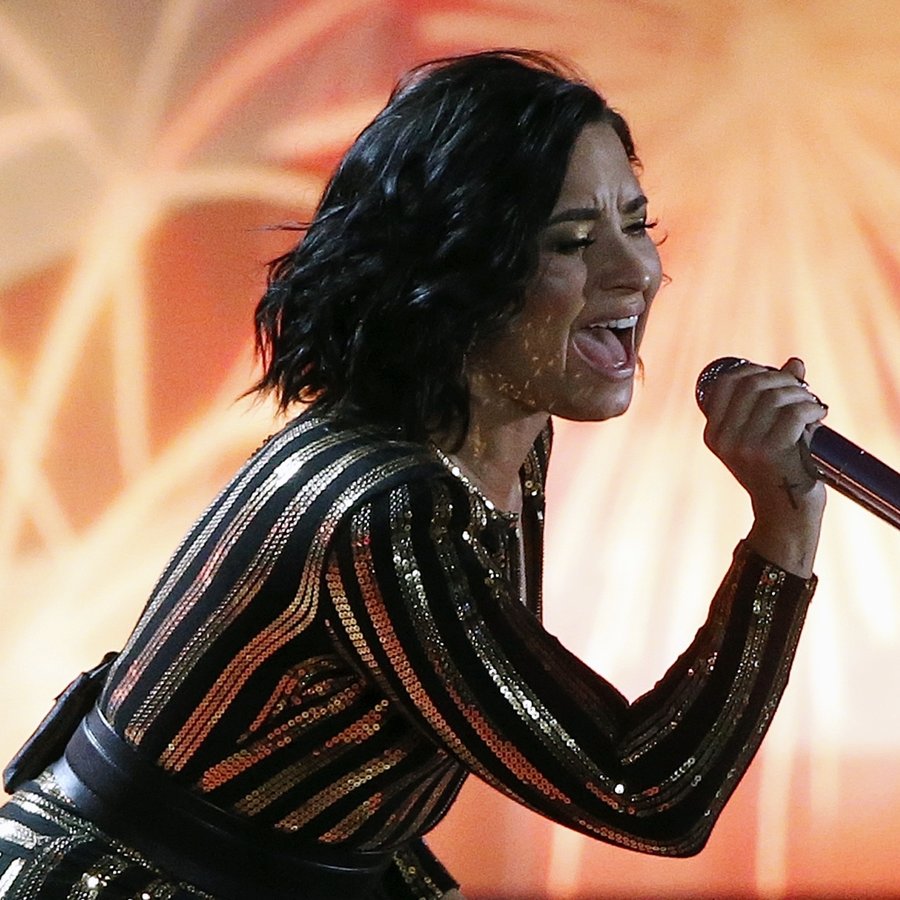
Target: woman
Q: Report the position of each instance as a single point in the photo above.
(353, 625)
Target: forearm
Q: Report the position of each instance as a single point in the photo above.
(706, 718)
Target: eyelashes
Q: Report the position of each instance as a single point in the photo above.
(642, 226)
(636, 229)
(567, 248)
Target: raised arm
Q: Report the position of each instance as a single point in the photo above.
(426, 612)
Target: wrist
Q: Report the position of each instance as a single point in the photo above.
(789, 538)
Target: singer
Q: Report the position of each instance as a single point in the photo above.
(354, 624)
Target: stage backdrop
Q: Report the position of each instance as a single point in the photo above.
(147, 148)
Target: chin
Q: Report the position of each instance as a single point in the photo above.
(608, 405)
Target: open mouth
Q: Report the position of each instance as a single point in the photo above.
(608, 346)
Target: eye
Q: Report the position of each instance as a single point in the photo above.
(642, 226)
(570, 247)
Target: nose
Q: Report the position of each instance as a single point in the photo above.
(625, 263)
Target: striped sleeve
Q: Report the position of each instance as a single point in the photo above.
(415, 874)
(427, 614)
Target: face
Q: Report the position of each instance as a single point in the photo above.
(572, 351)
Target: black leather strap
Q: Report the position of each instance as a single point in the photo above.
(49, 739)
(134, 801)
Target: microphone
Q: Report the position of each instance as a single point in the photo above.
(836, 461)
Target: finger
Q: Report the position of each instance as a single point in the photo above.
(795, 367)
(746, 406)
(795, 421)
(767, 422)
(720, 393)
(798, 369)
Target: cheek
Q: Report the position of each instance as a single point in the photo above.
(557, 293)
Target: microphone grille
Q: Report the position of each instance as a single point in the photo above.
(711, 372)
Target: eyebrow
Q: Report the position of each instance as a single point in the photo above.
(590, 213)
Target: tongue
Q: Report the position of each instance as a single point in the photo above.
(600, 347)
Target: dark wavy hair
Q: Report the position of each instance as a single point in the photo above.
(424, 240)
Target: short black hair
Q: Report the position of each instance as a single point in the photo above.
(424, 240)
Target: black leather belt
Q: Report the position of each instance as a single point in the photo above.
(135, 802)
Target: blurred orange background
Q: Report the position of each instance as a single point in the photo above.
(146, 149)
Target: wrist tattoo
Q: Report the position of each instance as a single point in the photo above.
(789, 489)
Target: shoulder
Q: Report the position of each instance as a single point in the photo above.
(325, 465)
(317, 471)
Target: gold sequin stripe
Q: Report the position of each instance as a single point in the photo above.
(657, 722)
(53, 849)
(344, 786)
(282, 736)
(238, 598)
(525, 703)
(691, 771)
(567, 755)
(543, 726)
(352, 822)
(660, 720)
(412, 788)
(292, 621)
(352, 738)
(194, 542)
(612, 792)
(707, 655)
(276, 702)
(377, 614)
(291, 776)
(305, 681)
(33, 877)
(297, 614)
(765, 596)
(695, 769)
(785, 658)
(370, 806)
(438, 793)
(742, 759)
(415, 595)
(418, 787)
(224, 545)
(375, 611)
(417, 879)
(501, 564)
(600, 701)
(619, 788)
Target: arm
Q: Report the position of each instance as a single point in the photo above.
(423, 610)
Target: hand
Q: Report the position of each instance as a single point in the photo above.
(759, 421)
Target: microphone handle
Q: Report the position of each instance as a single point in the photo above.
(856, 474)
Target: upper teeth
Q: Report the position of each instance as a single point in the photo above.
(628, 322)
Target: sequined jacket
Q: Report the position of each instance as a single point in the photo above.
(340, 640)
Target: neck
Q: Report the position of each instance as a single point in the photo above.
(496, 444)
